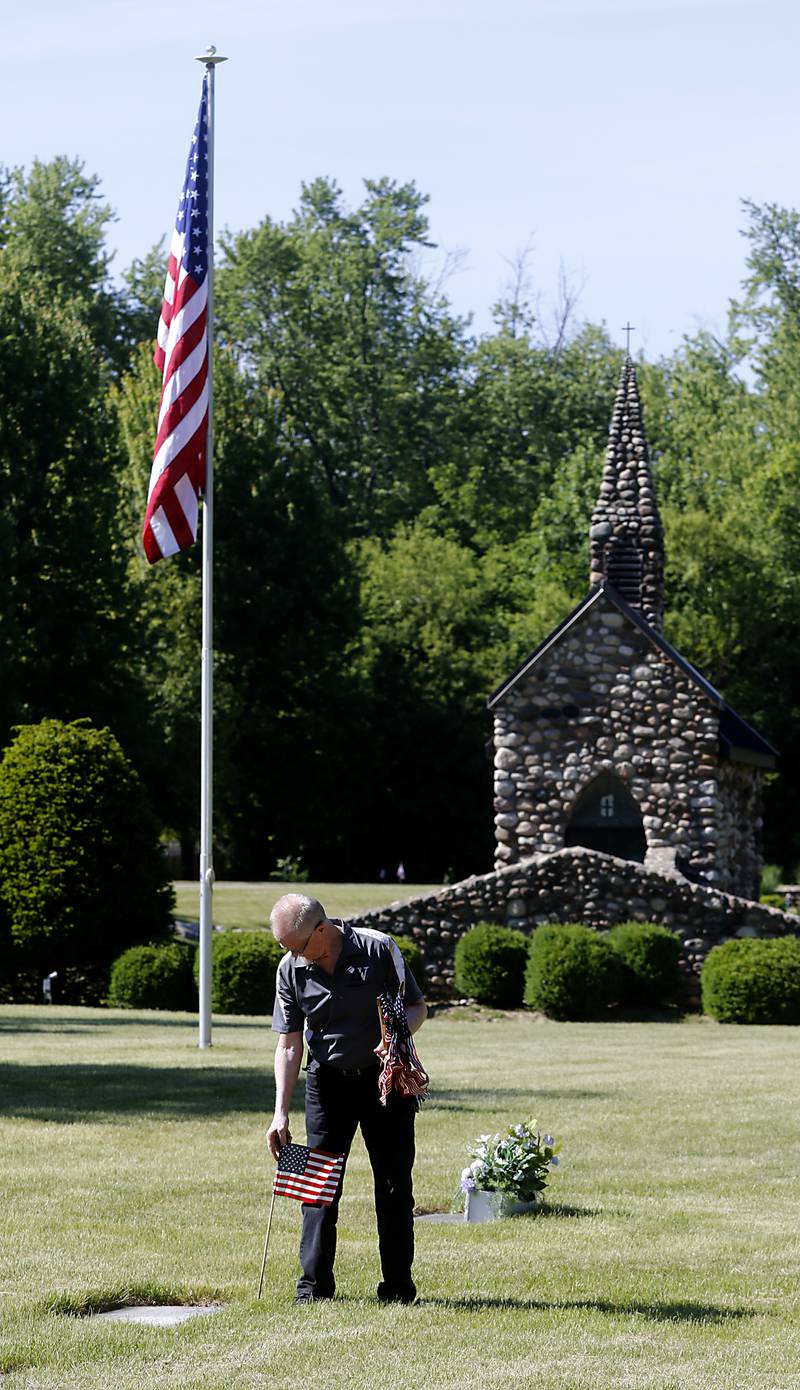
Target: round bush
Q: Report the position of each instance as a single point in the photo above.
(81, 873)
(243, 966)
(153, 977)
(413, 957)
(753, 981)
(649, 955)
(490, 965)
(572, 972)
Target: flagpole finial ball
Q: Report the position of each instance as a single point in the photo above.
(211, 57)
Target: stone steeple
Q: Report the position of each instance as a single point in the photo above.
(626, 536)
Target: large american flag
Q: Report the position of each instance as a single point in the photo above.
(178, 474)
(308, 1175)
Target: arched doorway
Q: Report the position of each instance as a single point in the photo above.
(606, 817)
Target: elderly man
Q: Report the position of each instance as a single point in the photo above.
(329, 982)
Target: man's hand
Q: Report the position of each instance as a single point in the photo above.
(278, 1134)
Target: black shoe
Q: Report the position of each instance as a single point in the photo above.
(396, 1293)
(306, 1296)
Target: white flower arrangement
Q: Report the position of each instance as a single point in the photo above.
(517, 1161)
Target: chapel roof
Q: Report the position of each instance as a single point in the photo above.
(738, 739)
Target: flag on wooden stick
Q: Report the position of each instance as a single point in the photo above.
(178, 474)
(308, 1175)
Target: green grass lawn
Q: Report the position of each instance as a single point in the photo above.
(249, 904)
(134, 1167)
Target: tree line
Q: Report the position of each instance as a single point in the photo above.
(402, 511)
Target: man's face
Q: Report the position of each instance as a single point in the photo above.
(305, 942)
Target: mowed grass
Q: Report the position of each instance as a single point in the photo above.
(249, 904)
(134, 1168)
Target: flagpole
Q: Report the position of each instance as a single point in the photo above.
(210, 59)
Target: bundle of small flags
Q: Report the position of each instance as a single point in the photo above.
(402, 1070)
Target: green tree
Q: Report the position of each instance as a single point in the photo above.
(356, 356)
(526, 409)
(81, 876)
(65, 621)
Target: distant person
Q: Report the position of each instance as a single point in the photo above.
(401, 873)
(330, 981)
(381, 875)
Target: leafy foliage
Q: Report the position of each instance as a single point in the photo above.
(517, 1161)
(243, 972)
(413, 957)
(153, 977)
(753, 981)
(490, 965)
(649, 954)
(81, 874)
(572, 973)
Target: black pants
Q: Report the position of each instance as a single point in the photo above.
(335, 1106)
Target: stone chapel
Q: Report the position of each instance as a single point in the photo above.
(606, 736)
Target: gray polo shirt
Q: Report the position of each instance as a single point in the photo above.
(340, 1011)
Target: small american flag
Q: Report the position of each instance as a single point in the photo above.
(178, 474)
(308, 1175)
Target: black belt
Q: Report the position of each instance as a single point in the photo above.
(349, 1071)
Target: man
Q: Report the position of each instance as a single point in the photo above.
(330, 981)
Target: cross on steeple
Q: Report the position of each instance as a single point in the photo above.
(628, 328)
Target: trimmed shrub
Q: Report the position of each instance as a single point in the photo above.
(153, 977)
(490, 965)
(572, 972)
(649, 956)
(243, 966)
(413, 957)
(81, 874)
(753, 981)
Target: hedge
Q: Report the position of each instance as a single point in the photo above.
(753, 981)
(81, 873)
(490, 965)
(649, 955)
(153, 977)
(243, 966)
(413, 957)
(572, 972)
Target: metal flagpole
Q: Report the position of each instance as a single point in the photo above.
(210, 58)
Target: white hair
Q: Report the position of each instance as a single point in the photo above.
(296, 910)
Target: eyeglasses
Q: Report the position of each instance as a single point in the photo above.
(300, 950)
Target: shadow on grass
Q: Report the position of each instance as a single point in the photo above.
(186, 1024)
(468, 1098)
(564, 1210)
(85, 1092)
(655, 1013)
(656, 1312)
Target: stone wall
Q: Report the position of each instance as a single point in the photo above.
(741, 822)
(576, 885)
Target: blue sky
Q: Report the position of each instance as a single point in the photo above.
(616, 137)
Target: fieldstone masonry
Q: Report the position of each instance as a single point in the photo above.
(626, 540)
(576, 885)
(605, 705)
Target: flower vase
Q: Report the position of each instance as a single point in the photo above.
(491, 1206)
